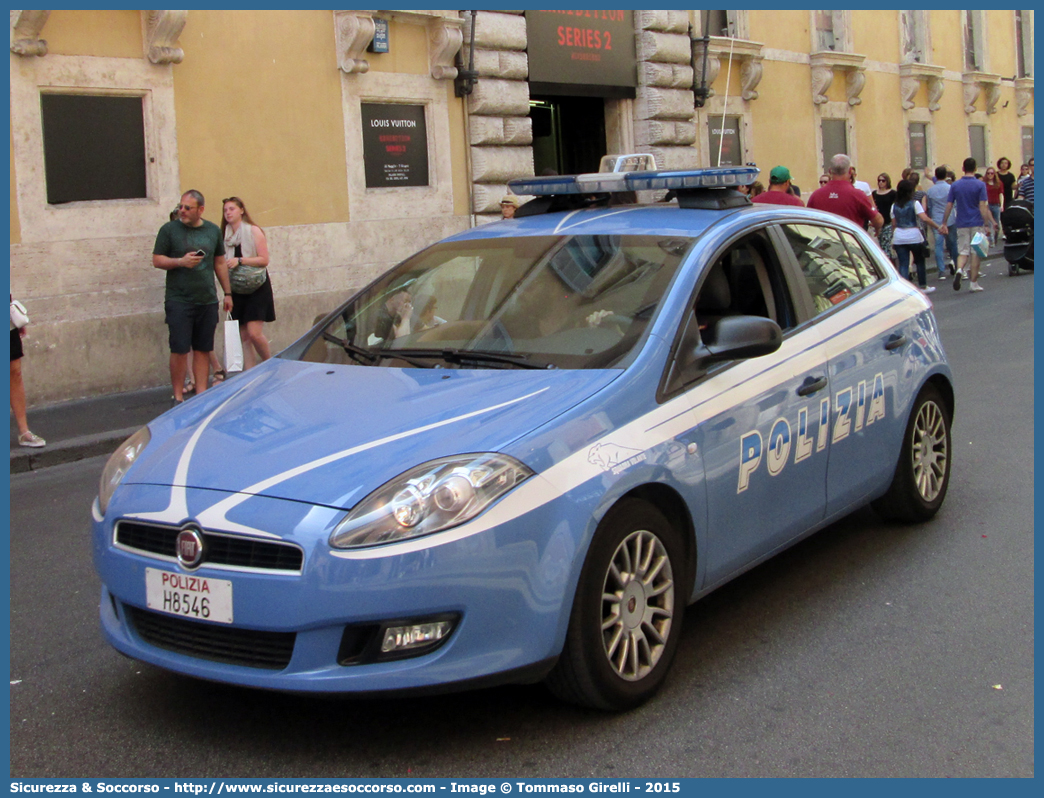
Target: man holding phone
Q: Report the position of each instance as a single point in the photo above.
(191, 251)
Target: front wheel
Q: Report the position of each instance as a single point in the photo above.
(627, 613)
(923, 474)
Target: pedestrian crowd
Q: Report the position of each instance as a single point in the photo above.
(964, 214)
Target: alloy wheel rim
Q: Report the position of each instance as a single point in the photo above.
(930, 451)
(637, 605)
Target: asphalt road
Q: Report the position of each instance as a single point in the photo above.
(868, 650)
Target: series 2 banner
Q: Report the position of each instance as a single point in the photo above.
(582, 47)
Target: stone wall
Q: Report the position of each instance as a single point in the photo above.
(97, 323)
(664, 113)
(500, 131)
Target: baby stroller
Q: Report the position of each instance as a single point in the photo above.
(1017, 222)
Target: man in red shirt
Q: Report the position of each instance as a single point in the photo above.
(779, 190)
(841, 197)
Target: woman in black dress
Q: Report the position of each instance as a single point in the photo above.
(884, 196)
(246, 246)
(1004, 174)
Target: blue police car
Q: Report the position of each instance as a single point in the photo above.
(520, 454)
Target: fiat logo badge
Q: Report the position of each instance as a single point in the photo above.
(190, 547)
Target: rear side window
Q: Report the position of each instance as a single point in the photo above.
(834, 265)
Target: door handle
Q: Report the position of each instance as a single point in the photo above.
(895, 340)
(811, 385)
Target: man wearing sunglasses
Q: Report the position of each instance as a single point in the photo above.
(191, 251)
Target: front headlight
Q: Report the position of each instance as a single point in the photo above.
(434, 496)
(119, 464)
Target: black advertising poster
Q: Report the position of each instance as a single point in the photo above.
(725, 138)
(594, 48)
(395, 145)
(918, 146)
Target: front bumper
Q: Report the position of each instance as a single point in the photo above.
(510, 588)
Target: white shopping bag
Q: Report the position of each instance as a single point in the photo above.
(981, 245)
(233, 346)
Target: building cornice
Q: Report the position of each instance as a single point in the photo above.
(26, 27)
(912, 75)
(748, 53)
(825, 63)
(981, 83)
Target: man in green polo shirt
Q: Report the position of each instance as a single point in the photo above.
(192, 251)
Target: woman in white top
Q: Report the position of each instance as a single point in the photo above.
(906, 233)
(252, 303)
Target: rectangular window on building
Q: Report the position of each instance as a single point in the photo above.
(977, 144)
(835, 139)
(913, 37)
(94, 147)
(918, 145)
(825, 38)
(717, 23)
(1027, 144)
(972, 42)
(1024, 43)
(726, 145)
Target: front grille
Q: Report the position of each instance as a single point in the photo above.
(217, 549)
(217, 642)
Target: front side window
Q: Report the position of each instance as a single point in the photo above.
(834, 265)
(579, 301)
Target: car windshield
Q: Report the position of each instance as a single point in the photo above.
(578, 301)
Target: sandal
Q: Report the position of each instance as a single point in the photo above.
(219, 376)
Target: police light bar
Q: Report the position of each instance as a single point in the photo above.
(609, 182)
(636, 162)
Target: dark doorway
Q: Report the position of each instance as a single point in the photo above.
(568, 134)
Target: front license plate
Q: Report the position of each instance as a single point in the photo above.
(189, 596)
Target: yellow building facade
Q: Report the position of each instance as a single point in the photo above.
(296, 112)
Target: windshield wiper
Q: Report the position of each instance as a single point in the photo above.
(460, 356)
(364, 356)
(368, 357)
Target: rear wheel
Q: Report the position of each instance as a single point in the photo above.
(923, 474)
(626, 617)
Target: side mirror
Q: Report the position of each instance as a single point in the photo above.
(737, 337)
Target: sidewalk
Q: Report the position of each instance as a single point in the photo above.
(86, 427)
(96, 426)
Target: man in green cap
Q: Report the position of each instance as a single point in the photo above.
(779, 189)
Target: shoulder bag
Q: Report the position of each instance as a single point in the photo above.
(247, 279)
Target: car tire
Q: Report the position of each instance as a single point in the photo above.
(923, 473)
(627, 613)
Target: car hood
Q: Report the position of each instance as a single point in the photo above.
(329, 435)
